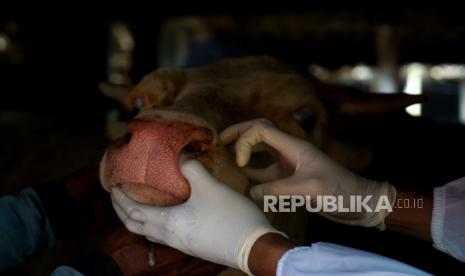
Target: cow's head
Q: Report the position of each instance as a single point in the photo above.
(183, 110)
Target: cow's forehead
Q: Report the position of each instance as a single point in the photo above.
(245, 83)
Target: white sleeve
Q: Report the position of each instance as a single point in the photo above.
(448, 221)
(331, 259)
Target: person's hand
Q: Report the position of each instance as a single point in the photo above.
(216, 223)
(313, 173)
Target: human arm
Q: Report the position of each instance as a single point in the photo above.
(448, 219)
(216, 223)
(275, 255)
(412, 214)
(220, 234)
(65, 208)
(426, 215)
(266, 253)
(24, 228)
(301, 169)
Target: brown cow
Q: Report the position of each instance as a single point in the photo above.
(183, 110)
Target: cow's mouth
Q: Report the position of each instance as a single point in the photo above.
(146, 165)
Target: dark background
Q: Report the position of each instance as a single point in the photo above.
(63, 49)
(52, 115)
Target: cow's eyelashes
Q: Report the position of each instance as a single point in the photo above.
(306, 117)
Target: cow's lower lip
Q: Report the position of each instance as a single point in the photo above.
(153, 195)
(150, 194)
(156, 195)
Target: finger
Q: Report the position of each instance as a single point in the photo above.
(286, 145)
(243, 152)
(133, 226)
(155, 229)
(259, 131)
(134, 215)
(139, 212)
(198, 177)
(130, 207)
(285, 186)
(231, 133)
(269, 173)
(119, 212)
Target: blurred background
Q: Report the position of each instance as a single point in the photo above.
(52, 62)
(53, 58)
(53, 119)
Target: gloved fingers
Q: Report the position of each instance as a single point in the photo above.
(130, 207)
(285, 186)
(245, 144)
(269, 173)
(119, 212)
(135, 226)
(198, 177)
(232, 133)
(247, 136)
(260, 147)
(153, 229)
(250, 133)
(133, 210)
(132, 225)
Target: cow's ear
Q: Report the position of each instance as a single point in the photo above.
(351, 101)
(115, 92)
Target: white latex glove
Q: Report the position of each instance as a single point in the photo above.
(216, 223)
(312, 172)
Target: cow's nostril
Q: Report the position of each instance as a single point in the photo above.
(196, 147)
(189, 148)
(201, 142)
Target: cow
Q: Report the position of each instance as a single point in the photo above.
(182, 111)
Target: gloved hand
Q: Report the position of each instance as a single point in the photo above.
(312, 172)
(216, 223)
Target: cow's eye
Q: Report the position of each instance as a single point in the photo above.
(138, 104)
(306, 117)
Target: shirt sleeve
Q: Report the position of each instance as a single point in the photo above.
(24, 228)
(66, 271)
(448, 220)
(331, 259)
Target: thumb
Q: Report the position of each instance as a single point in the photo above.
(198, 176)
(284, 186)
(269, 173)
